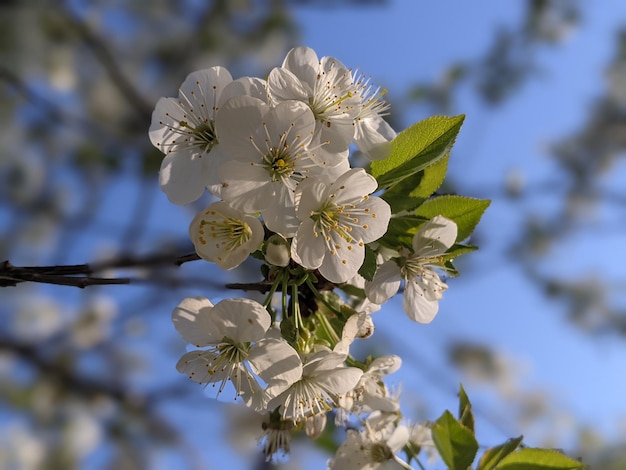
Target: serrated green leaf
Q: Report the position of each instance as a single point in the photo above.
(412, 191)
(538, 459)
(494, 455)
(417, 147)
(465, 211)
(466, 417)
(455, 443)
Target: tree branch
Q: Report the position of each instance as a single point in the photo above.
(84, 275)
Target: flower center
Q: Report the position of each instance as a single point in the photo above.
(280, 162)
(380, 452)
(331, 218)
(230, 233)
(201, 135)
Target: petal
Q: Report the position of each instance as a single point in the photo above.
(293, 117)
(353, 185)
(373, 215)
(304, 63)
(192, 319)
(385, 365)
(249, 86)
(283, 85)
(398, 438)
(416, 305)
(198, 366)
(306, 249)
(202, 87)
(344, 263)
(182, 177)
(310, 194)
(241, 320)
(339, 380)
(435, 237)
(165, 123)
(237, 120)
(280, 217)
(385, 284)
(246, 187)
(274, 360)
(373, 137)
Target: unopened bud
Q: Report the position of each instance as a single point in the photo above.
(277, 251)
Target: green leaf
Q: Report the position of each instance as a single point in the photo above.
(465, 211)
(417, 147)
(466, 417)
(412, 191)
(400, 231)
(538, 459)
(368, 268)
(455, 443)
(493, 456)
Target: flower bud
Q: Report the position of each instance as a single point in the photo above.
(277, 251)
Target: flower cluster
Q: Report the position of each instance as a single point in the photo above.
(275, 156)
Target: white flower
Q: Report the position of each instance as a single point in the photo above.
(337, 220)
(270, 156)
(327, 87)
(371, 393)
(323, 378)
(373, 135)
(224, 235)
(228, 330)
(183, 129)
(374, 447)
(276, 438)
(423, 288)
(420, 438)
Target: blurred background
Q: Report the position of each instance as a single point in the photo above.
(535, 326)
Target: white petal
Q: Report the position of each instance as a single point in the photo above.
(236, 121)
(339, 380)
(373, 137)
(306, 249)
(385, 284)
(310, 194)
(434, 237)
(249, 86)
(241, 320)
(398, 438)
(353, 185)
(203, 86)
(292, 116)
(345, 263)
(416, 305)
(274, 360)
(304, 63)
(283, 85)
(182, 177)
(373, 224)
(192, 319)
(246, 187)
(385, 365)
(197, 365)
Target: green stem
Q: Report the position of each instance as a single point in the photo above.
(321, 298)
